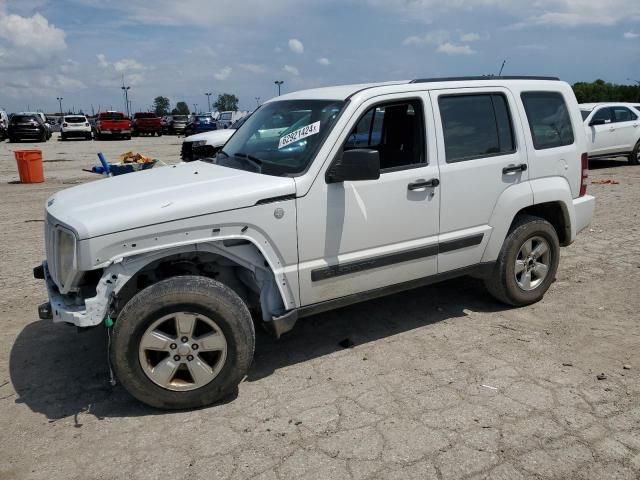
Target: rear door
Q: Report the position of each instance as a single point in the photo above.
(627, 127)
(481, 153)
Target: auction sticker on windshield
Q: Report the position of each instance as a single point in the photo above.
(299, 134)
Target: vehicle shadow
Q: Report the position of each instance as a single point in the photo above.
(60, 373)
(608, 163)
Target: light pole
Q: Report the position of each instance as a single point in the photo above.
(278, 83)
(126, 99)
(60, 102)
(195, 108)
(257, 101)
(208, 94)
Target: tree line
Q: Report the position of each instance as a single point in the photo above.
(586, 92)
(601, 91)
(224, 103)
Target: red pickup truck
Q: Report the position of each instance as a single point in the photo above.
(112, 124)
(147, 123)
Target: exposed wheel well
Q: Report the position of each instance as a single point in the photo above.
(553, 212)
(254, 286)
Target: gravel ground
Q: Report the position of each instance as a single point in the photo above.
(442, 382)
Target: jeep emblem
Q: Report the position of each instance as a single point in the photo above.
(278, 213)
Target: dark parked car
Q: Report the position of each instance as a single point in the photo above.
(200, 124)
(27, 127)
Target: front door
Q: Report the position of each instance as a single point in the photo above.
(602, 139)
(362, 235)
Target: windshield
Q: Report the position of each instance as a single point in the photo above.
(281, 138)
(585, 114)
(144, 115)
(75, 119)
(238, 123)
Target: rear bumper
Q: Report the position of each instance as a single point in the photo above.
(584, 208)
(115, 132)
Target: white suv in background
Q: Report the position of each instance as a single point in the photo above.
(75, 126)
(613, 130)
(360, 191)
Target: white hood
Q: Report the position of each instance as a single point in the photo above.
(159, 195)
(215, 138)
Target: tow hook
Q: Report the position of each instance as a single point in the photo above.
(44, 311)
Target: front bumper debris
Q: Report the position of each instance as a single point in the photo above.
(71, 308)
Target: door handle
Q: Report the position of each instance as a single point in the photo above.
(434, 182)
(514, 168)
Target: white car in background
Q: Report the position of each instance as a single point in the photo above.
(76, 126)
(207, 144)
(613, 130)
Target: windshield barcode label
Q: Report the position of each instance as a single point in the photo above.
(299, 134)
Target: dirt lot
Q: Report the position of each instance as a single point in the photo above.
(442, 382)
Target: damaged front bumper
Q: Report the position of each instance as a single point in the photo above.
(72, 308)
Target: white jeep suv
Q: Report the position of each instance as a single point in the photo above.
(613, 130)
(75, 126)
(360, 191)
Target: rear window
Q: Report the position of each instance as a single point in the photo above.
(225, 116)
(111, 116)
(144, 115)
(476, 126)
(75, 119)
(549, 119)
(23, 118)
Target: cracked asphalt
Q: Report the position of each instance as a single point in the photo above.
(441, 382)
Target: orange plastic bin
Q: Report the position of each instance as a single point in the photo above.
(30, 166)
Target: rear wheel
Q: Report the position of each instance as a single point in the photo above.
(527, 263)
(634, 158)
(184, 342)
(159, 134)
(62, 136)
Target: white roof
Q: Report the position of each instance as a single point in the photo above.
(591, 106)
(342, 92)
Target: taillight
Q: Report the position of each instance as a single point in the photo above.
(86, 124)
(65, 125)
(584, 173)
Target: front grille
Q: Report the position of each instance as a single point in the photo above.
(50, 237)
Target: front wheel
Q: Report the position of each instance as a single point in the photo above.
(527, 263)
(634, 158)
(184, 342)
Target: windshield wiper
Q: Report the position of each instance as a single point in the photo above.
(224, 153)
(255, 161)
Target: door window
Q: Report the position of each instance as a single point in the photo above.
(622, 114)
(395, 130)
(603, 114)
(549, 119)
(476, 126)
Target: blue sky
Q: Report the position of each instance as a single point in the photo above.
(80, 49)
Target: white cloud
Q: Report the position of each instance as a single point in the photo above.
(452, 49)
(102, 60)
(324, 61)
(223, 74)
(252, 67)
(435, 37)
(31, 33)
(296, 45)
(291, 70)
(127, 65)
(469, 37)
(631, 35)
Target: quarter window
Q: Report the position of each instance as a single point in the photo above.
(476, 126)
(549, 119)
(395, 130)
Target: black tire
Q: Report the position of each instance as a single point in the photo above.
(62, 137)
(502, 282)
(159, 134)
(634, 158)
(44, 137)
(193, 294)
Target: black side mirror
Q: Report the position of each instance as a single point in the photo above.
(353, 165)
(598, 121)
